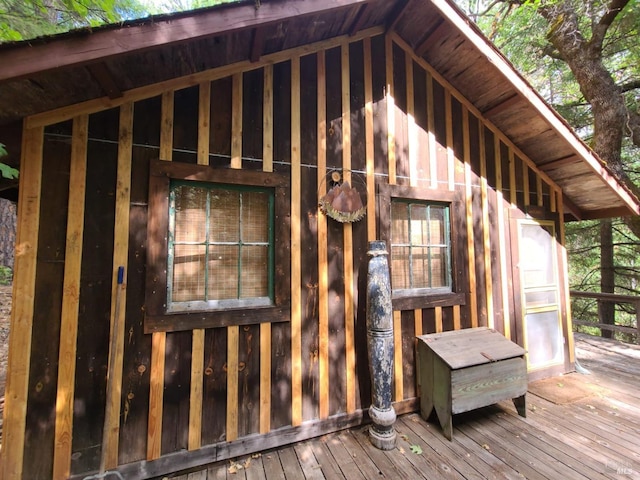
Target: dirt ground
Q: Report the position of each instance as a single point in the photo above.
(5, 317)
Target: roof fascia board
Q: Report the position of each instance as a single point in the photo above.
(462, 24)
(23, 61)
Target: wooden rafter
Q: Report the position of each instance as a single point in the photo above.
(503, 105)
(431, 37)
(396, 14)
(103, 76)
(257, 44)
(358, 21)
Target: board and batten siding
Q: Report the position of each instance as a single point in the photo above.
(363, 105)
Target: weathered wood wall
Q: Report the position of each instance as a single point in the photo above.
(365, 105)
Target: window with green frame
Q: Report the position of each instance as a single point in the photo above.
(220, 246)
(420, 246)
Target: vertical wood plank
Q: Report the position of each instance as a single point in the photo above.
(347, 229)
(456, 317)
(513, 194)
(70, 300)
(431, 136)
(156, 389)
(417, 315)
(449, 134)
(323, 270)
(166, 127)
(265, 377)
(473, 301)
(159, 339)
(525, 184)
(233, 332)
(539, 190)
(411, 118)
(16, 393)
(232, 382)
(397, 356)
(204, 118)
(391, 110)
(118, 308)
(565, 274)
(486, 225)
(369, 141)
(553, 200)
(195, 395)
(502, 238)
(438, 319)
(236, 121)
(265, 328)
(267, 120)
(296, 306)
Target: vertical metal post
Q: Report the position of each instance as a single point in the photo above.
(380, 346)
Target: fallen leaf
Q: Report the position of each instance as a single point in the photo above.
(416, 449)
(486, 447)
(560, 384)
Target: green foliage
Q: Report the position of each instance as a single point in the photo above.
(5, 170)
(6, 275)
(25, 19)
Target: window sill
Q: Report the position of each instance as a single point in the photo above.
(174, 322)
(429, 300)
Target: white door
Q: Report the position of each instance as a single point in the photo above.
(543, 337)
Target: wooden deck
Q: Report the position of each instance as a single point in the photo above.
(592, 432)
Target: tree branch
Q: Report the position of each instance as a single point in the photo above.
(600, 29)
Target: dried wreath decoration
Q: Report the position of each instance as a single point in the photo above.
(342, 202)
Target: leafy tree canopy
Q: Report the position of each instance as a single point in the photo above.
(26, 19)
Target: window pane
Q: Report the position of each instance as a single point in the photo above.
(437, 224)
(439, 267)
(538, 263)
(399, 223)
(255, 217)
(420, 267)
(254, 273)
(190, 214)
(400, 267)
(419, 233)
(223, 272)
(225, 216)
(188, 273)
(544, 338)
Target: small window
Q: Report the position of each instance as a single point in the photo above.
(420, 246)
(217, 247)
(221, 246)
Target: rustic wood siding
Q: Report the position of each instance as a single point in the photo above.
(366, 107)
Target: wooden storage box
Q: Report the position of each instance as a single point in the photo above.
(467, 369)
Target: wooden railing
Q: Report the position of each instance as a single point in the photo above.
(615, 298)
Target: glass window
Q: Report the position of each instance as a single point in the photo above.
(221, 246)
(420, 245)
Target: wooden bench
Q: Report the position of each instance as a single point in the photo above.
(467, 369)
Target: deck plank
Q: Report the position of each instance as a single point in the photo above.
(290, 465)
(272, 466)
(307, 459)
(326, 460)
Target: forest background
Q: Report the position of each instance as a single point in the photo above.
(583, 56)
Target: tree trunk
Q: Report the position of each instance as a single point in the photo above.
(7, 232)
(606, 310)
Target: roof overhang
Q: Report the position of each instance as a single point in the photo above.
(104, 67)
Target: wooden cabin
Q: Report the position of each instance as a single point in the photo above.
(180, 298)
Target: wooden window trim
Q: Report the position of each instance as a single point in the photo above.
(437, 298)
(157, 319)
